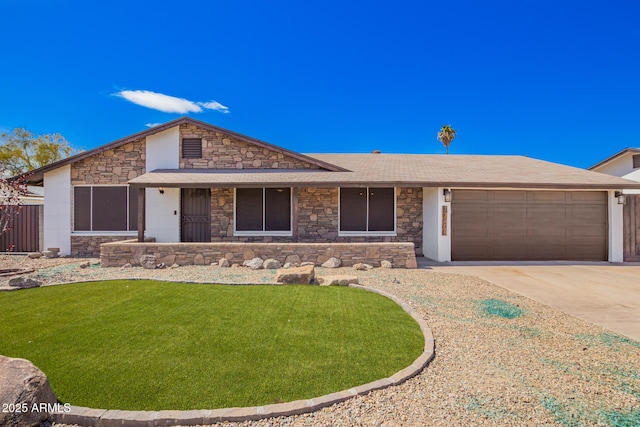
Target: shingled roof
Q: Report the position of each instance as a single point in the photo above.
(413, 170)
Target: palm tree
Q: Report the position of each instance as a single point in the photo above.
(446, 135)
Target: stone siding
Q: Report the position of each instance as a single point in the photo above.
(318, 218)
(89, 246)
(117, 254)
(115, 166)
(220, 151)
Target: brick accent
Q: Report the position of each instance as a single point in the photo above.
(89, 246)
(116, 166)
(221, 151)
(118, 254)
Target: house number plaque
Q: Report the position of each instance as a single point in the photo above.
(444, 220)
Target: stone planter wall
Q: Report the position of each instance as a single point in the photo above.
(117, 254)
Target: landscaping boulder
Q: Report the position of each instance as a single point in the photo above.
(296, 276)
(337, 280)
(306, 263)
(332, 263)
(287, 265)
(127, 265)
(148, 261)
(363, 267)
(173, 266)
(24, 283)
(293, 259)
(34, 255)
(23, 384)
(386, 264)
(271, 264)
(223, 262)
(85, 264)
(254, 264)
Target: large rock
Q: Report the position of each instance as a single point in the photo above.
(271, 264)
(332, 263)
(148, 261)
(22, 386)
(337, 280)
(386, 264)
(362, 267)
(292, 259)
(296, 276)
(223, 262)
(24, 283)
(34, 255)
(254, 264)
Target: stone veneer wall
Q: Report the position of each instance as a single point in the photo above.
(221, 151)
(89, 246)
(118, 254)
(318, 218)
(115, 166)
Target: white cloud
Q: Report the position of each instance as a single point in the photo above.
(152, 125)
(167, 103)
(214, 105)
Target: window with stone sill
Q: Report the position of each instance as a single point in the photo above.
(104, 208)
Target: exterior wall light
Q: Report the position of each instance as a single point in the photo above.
(447, 195)
(621, 197)
(161, 190)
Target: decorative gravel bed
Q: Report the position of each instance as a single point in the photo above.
(501, 359)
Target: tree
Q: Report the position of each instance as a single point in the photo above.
(22, 151)
(446, 135)
(11, 192)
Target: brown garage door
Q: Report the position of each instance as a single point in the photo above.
(528, 225)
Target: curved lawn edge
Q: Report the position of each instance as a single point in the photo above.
(101, 417)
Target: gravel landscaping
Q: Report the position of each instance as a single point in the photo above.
(501, 358)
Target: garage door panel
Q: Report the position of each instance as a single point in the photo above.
(547, 196)
(529, 225)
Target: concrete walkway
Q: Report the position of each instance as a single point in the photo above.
(601, 293)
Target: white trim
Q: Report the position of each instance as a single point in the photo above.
(390, 233)
(263, 233)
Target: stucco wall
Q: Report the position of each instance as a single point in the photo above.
(57, 209)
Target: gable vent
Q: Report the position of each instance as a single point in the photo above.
(192, 148)
(636, 161)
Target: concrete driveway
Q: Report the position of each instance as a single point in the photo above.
(601, 293)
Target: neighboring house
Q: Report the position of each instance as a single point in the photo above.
(626, 164)
(26, 233)
(188, 181)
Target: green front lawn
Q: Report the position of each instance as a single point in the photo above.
(147, 345)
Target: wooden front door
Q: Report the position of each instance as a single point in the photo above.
(631, 215)
(195, 204)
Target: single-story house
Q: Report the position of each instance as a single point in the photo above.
(626, 164)
(189, 184)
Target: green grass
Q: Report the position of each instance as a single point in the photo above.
(146, 345)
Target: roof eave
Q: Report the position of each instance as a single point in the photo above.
(615, 156)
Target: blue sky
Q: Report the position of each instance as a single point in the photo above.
(551, 79)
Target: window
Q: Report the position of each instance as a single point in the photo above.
(367, 210)
(636, 161)
(263, 211)
(104, 208)
(192, 148)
